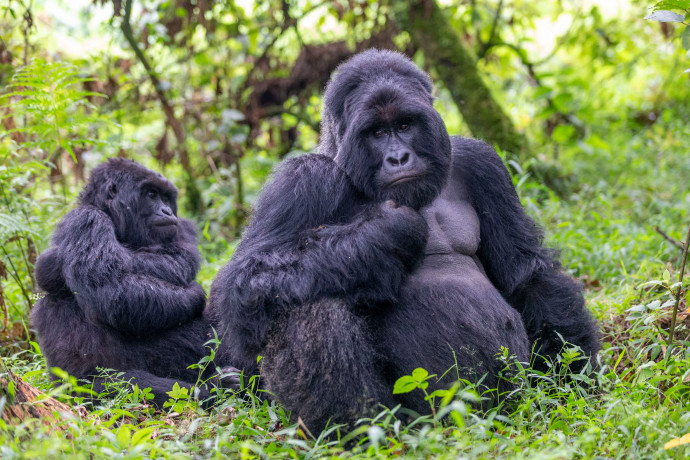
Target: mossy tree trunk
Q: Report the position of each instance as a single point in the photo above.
(431, 32)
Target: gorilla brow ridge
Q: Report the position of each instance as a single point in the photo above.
(161, 185)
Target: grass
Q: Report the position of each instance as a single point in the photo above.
(604, 229)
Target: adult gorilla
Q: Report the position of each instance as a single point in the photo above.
(336, 284)
(120, 285)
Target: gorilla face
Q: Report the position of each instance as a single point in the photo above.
(158, 211)
(141, 204)
(382, 129)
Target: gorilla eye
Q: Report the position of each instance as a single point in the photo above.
(403, 126)
(151, 194)
(378, 133)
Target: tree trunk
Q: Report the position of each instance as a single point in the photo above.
(23, 402)
(454, 63)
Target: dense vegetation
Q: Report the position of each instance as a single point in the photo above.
(593, 106)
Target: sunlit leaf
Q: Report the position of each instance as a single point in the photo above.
(685, 439)
(665, 16)
(673, 4)
(419, 374)
(404, 384)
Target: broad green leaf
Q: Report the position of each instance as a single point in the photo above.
(673, 4)
(420, 374)
(404, 384)
(124, 436)
(665, 16)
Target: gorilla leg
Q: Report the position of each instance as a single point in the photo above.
(452, 322)
(321, 365)
(79, 346)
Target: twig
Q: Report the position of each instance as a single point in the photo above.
(668, 238)
(288, 22)
(29, 21)
(3, 304)
(485, 46)
(680, 288)
(301, 423)
(168, 111)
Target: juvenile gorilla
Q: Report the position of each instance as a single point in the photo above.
(120, 284)
(394, 248)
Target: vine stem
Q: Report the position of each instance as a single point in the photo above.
(671, 332)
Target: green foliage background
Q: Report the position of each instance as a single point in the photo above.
(600, 95)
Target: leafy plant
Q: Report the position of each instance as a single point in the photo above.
(57, 110)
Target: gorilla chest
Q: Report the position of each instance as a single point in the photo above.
(453, 226)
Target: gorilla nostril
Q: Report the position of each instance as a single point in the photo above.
(398, 159)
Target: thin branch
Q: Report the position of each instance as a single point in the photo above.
(174, 123)
(14, 273)
(288, 22)
(485, 46)
(669, 238)
(531, 71)
(671, 332)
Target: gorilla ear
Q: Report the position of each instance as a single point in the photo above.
(110, 190)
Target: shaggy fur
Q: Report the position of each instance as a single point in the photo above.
(336, 285)
(120, 285)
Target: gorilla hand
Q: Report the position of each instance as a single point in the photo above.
(198, 296)
(407, 231)
(227, 377)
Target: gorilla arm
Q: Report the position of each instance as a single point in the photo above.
(527, 274)
(48, 273)
(176, 262)
(307, 242)
(98, 270)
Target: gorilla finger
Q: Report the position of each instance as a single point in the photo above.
(230, 377)
(230, 370)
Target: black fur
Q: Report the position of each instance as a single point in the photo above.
(120, 285)
(338, 288)
(527, 274)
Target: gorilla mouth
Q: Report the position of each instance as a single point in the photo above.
(403, 179)
(164, 222)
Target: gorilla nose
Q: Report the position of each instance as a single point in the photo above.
(399, 158)
(167, 211)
